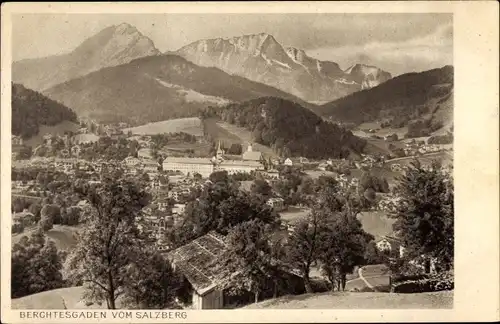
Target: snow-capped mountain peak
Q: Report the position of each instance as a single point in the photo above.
(260, 57)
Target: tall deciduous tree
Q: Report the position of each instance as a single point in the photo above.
(247, 263)
(152, 281)
(303, 246)
(342, 246)
(425, 216)
(109, 242)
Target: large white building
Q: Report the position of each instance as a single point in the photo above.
(203, 166)
(236, 166)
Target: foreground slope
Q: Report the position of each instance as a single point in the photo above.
(112, 46)
(359, 300)
(156, 88)
(408, 97)
(260, 57)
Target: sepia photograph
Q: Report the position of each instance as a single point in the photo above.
(188, 161)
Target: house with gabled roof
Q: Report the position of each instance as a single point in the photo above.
(196, 262)
(251, 155)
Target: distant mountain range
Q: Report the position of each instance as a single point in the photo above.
(112, 46)
(425, 96)
(261, 58)
(119, 75)
(156, 88)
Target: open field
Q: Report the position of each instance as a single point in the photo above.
(444, 156)
(360, 130)
(86, 138)
(246, 137)
(62, 235)
(294, 214)
(58, 129)
(218, 133)
(63, 298)
(380, 146)
(376, 223)
(230, 134)
(360, 300)
(315, 174)
(191, 126)
(200, 149)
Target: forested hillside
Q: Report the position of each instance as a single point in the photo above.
(290, 129)
(409, 97)
(31, 109)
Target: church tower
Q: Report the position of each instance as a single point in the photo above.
(219, 153)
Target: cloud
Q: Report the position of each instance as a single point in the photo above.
(415, 54)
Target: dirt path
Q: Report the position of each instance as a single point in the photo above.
(369, 285)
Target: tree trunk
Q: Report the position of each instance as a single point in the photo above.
(256, 296)
(332, 282)
(111, 293)
(275, 292)
(307, 284)
(344, 281)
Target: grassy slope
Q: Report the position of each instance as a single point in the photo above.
(63, 236)
(58, 129)
(63, 298)
(368, 300)
(191, 126)
(230, 134)
(376, 223)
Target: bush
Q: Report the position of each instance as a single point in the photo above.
(320, 285)
(401, 278)
(17, 228)
(424, 285)
(46, 224)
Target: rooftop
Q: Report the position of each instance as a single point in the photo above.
(241, 163)
(252, 155)
(195, 260)
(187, 160)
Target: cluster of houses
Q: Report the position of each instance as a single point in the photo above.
(368, 161)
(388, 203)
(417, 148)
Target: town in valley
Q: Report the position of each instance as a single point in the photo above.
(231, 172)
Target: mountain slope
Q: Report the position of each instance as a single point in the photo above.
(261, 58)
(32, 110)
(112, 46)
(425, 96)
(156, 88)
(290, 129)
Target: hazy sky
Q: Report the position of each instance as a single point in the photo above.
(398, 43)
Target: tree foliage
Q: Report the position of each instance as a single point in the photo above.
(110, 242)
(219, 207)
(247, 264)
(425, 214)
(36, 266)
(332, 235)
